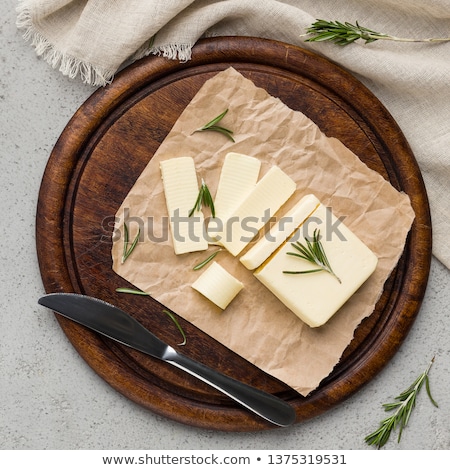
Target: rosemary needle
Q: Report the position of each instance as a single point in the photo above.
(126, 290)
(206, 261)
(127, 251)
(213, 126)
(173, 318)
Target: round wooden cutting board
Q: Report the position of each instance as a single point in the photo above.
(103, 150)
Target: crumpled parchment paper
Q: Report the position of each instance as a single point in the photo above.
(256, 325)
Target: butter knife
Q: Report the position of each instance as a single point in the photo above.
(114, 323)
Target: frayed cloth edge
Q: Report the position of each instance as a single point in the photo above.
(68, 65)
(181, 52)
(73, 67)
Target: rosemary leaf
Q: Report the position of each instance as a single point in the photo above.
(177, 324)
(346, 33)
(427, 388)
(125, 241)
(213, 126)
(127, 251)
(198, 202)
(404, 405)
(303, 272)
(214, 121)
(206, 261)
(126, 290)
(313, 252)
(133, 245)
(207, 199)
(221, 129)
(204, 198)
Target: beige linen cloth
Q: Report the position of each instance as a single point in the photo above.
(92, 39)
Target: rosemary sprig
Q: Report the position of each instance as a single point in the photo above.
(403, 405)
(314, 253)
(127, 290)
(204, 198)
(206, 261)
(127, 251)
(213, 126)
(343, 34)
(173, 318)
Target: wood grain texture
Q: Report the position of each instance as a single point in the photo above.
(105, 147)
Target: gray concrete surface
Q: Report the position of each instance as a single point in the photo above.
(50, 399)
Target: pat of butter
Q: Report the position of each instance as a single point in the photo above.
(181, 191)
(218, 285)
(279, 233)
(269, 194)
(316, 297)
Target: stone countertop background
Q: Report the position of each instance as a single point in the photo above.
(51, 399)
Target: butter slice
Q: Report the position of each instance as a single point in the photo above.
(243, 224)
(238, 177)
(316, 297)
(218, 285)
(280, 232)
(181, 191)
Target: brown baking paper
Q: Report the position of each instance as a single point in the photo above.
(256, 325)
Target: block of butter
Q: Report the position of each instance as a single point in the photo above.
(181, 190)
(218, 285)
(244, 223)
(315, 297)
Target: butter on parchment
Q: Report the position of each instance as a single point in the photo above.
(316, 297)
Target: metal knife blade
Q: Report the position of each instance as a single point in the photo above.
(114, 323)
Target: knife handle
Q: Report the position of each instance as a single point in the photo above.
(263, 404)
